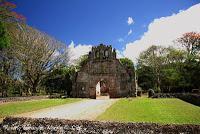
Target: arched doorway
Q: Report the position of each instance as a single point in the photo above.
(102, 90)
(98, 91)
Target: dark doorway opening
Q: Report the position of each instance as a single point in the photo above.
(102, 90)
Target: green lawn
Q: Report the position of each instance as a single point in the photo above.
(152, 110)
(13, 108)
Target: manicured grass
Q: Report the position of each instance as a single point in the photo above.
(162, 111)
(14, 108)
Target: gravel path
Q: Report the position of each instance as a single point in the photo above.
(86, 109)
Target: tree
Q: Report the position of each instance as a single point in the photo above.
(191, 42)
(175, 56)
(4, 38)
(81, 61)
(7, 14)
(191, 66)
(37, 53)
(129, 66)
(60, 80)
(172, 78)
(146, 77)
(155, 59)
(8, 63)
(127, 62)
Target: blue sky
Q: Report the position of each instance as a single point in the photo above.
(97, 21)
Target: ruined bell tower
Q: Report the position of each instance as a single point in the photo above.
(103, 66)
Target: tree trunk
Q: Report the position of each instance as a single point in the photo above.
(158, 83)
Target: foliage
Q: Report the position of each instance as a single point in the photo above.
(153, 57)
(146, 77)
(7, 14)
(191, 42)
(151, 92)
(82, 61)
(31, 57)
(38, 54)
(60, 80)
(191, 71)
(4, 38)
(127, 63)
(170, 69)
(9, 66)
(163, 111)
(129, 66)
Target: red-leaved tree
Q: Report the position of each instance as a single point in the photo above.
(7, 13)
(190, 41)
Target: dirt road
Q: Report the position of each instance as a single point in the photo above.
(87, 109)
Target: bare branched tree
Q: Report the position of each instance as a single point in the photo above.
(38, 54)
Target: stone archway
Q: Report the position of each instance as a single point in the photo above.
(102, 89)
(98, 89)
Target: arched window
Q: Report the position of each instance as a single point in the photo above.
(97, 54)
(106, 53)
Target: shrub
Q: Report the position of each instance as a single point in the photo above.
(151, 92)
(139, 93)
(191, 98)
(195, 91)
(54, 95)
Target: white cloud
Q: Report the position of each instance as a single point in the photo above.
(181, 11)
(77, 51)
(130, 21)
(119, 54)
(165, 30)
(130, 32)
(120, 40)
(56, 53)
(144, 26)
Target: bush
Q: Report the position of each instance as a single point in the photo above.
(163, 95)
(151, 93)
(139, 93)
(191, 98)
(55, 95)
(195, 91)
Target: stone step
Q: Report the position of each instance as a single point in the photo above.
(103, 97)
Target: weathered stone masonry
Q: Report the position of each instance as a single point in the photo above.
(103, 65)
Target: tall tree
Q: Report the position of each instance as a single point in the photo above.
(38, 54)
(8, 63)
(191, 67)
(154, 58)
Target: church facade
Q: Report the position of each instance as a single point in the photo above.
(103, 74)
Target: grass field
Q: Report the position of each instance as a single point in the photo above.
(13, 108)
(153, 110)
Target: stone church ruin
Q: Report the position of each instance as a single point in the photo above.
(103, 74)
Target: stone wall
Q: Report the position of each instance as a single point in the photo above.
(27, 125)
